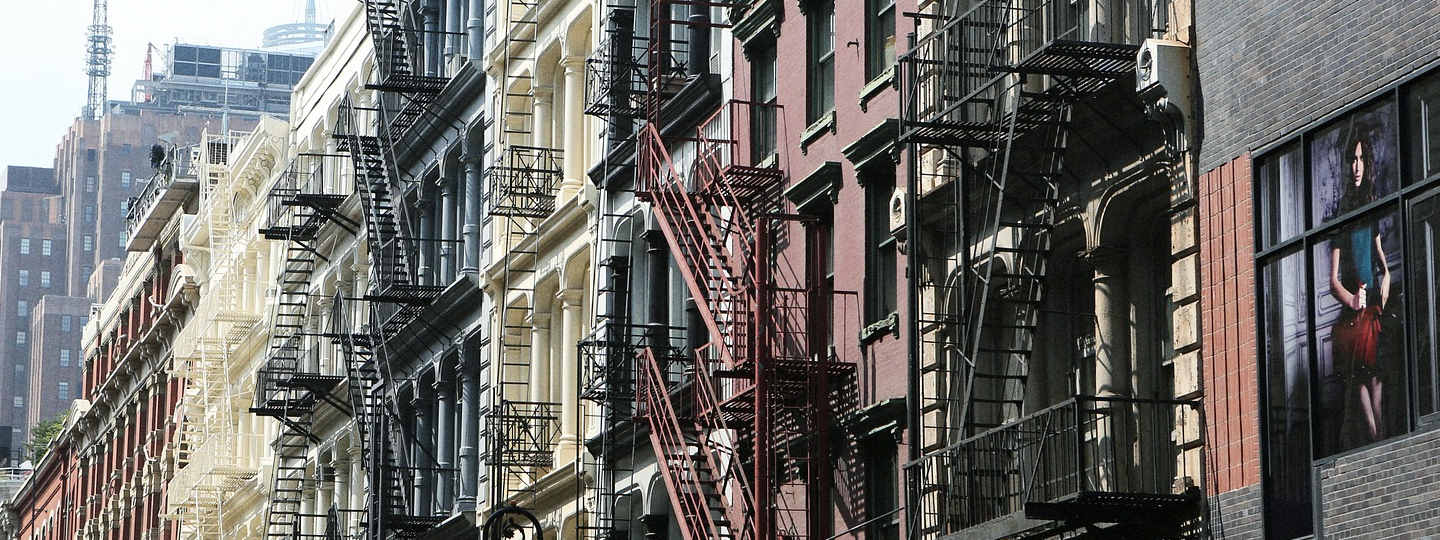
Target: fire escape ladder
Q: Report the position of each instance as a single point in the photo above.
(522, 187)
(607, 380)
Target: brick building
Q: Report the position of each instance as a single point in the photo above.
(32, 239)
(55, 358)
(1311, 436)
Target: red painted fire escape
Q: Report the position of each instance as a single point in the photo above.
(741, 428)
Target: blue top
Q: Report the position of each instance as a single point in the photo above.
(1361, 250)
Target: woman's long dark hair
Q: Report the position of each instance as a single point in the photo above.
(1351, 195)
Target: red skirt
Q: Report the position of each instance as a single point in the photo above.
(1356, 340)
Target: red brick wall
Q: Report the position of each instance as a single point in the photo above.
(1230, 365)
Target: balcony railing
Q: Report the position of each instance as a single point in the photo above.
(148, 212)
(1087, 459)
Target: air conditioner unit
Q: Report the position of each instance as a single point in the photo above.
(1162, 68)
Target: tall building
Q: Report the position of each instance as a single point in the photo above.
(55, 358)
(103, 167)
(33, 239)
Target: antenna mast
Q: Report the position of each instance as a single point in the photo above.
(97, 60)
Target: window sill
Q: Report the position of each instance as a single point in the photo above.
(888, 325)
(816, 129)
(876, 87)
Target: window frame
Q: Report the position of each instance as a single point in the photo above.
(819, 64)
(1411, 187)
(879, 56)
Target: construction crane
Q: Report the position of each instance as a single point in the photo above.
(144, 96)
(97, 60)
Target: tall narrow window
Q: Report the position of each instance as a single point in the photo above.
(89, 184)
(65, 322)
(87, 242)
(63, 392)
(23, 278)
(89, 213)
(762, 80)
(820, 65)
(880, 293)
(882, 497)
(45, 279)
(64, 357)
(47, 246)
(125, 179)
(879, 37)
(24, 246)
(21, 337)
(22, 308)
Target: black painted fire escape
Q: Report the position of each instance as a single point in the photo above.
(987, 100)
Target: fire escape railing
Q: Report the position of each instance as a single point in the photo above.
(1083, 450)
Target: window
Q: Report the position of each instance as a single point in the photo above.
(22, 308)
(880, 290)
(24, 278)
(20, 369)
(882, 497)
(45, 279)
(63, 392)
(820, 60)
(84, 319)
(124, 238)
(89, 213)
(762, 80)
(879, 38)
(24, 246)
(21, 337)
(125, 178)
(65, 322)
(86, 270)
(64, 357)
(47, 246)
(124, 206)
(89, 184)
(90, 155)
(87, 242)
(19, 402)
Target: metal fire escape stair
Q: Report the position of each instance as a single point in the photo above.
(986, 114)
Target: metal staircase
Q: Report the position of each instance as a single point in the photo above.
(292, 384)
(987, 99)
(748, 457)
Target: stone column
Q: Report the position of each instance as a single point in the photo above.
(430, 12)
(544, 118)
(1112, 339)
(426, 269)
(357, 476)
(445, 437)
(452, 38)
(447, 229)
(539, 355)
(570, 303)
(469, 374)
(473, 202)
(325, 304)
(475, 31)
(574, 146)
(420, 406)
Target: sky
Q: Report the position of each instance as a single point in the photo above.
(42, 55)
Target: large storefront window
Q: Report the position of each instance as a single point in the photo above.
(1348, 223)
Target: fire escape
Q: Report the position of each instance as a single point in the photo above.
(521, 189)
(615, 93)
(397, 293)
(742, 437)
(987, 100)
(208, 452)
(291, 385)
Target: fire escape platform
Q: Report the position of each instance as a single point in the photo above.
(157, 205)
(1088, 59)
